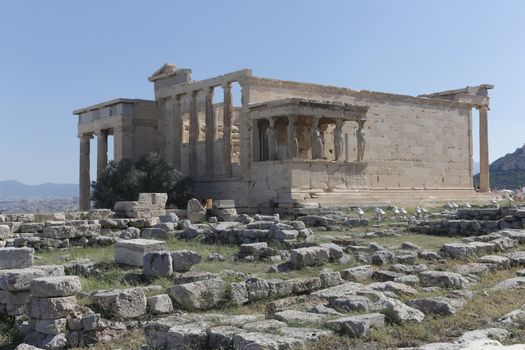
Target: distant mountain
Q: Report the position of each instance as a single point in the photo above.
(507, 172)
(11, 189)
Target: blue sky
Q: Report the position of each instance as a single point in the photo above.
(57, 56)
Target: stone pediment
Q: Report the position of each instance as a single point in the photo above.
(167, 70)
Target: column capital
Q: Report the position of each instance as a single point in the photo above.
(226, 85)
(85, 136)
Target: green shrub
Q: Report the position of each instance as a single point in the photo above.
(124, 180)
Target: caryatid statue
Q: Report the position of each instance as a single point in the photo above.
(272, 140)
(338, 138)
(293, 142)
(360, 135)
(317, 142)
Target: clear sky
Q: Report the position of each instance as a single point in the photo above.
(57, 56)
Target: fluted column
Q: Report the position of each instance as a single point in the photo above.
(102, 151)
(84, 181)
(178, 129)
(227, 128)
(194, 134)
(484, 181)
(210, 133)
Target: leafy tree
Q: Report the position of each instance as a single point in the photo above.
(124, 180)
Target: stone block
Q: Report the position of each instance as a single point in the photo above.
(63, 286)
(158, 264)
(5, 232)
(16, 258)
(160, 304)
(131, 252)
(183, 260)
(18, 279)
(51, 326)
(199, 295)
(357, 326)
(124, 303)
(90, 322)
(17, 298)
(195, 212)
(51, 308)
(309, 256)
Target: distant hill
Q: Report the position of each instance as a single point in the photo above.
(11, 189)
(508, 171)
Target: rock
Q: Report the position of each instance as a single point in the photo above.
(124, 303)
(309, 256)
(382, 257)
(183, 260)
(199, 295)
(330, 278)
(24, 346)
(352, 303)
(52, 270)
(19, 279)
(130, 233)
(257, 340)
(51, 308)
(169, 217)
(16, 258)
(131, 252)
(394, 287)
(252, 248)
(295, 317)
(410, 280)
(487, 333)
(408, 258)
(398, 312)
(215, 257)
(51, 326)
(5, 232)
(257, 288)
(443, 279)
(189, 277)
(357, 326)
(64, 286)
(358, 273)
(429, 255)
(71, 231)
(335, 251)
(500, 262)
(511, 283)
(159, 304)
(516, 258)
(470, 269)
(238, 293)
(514, 317)
(385, 275)
(410, 246)
(158, 264)
(195, 212)
(177, 337)
(437, 305)
(284, 235)
(90, 322)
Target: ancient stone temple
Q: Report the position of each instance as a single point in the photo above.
(291, 144)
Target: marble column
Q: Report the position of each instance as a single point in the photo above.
(272, 140)
(102, 151)
(227, 128)
(484, 181)
(194, 134)
(123, 141)
(338, 139)
(210, 133)
(84, 181)
(293, 142)
(178, 129)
